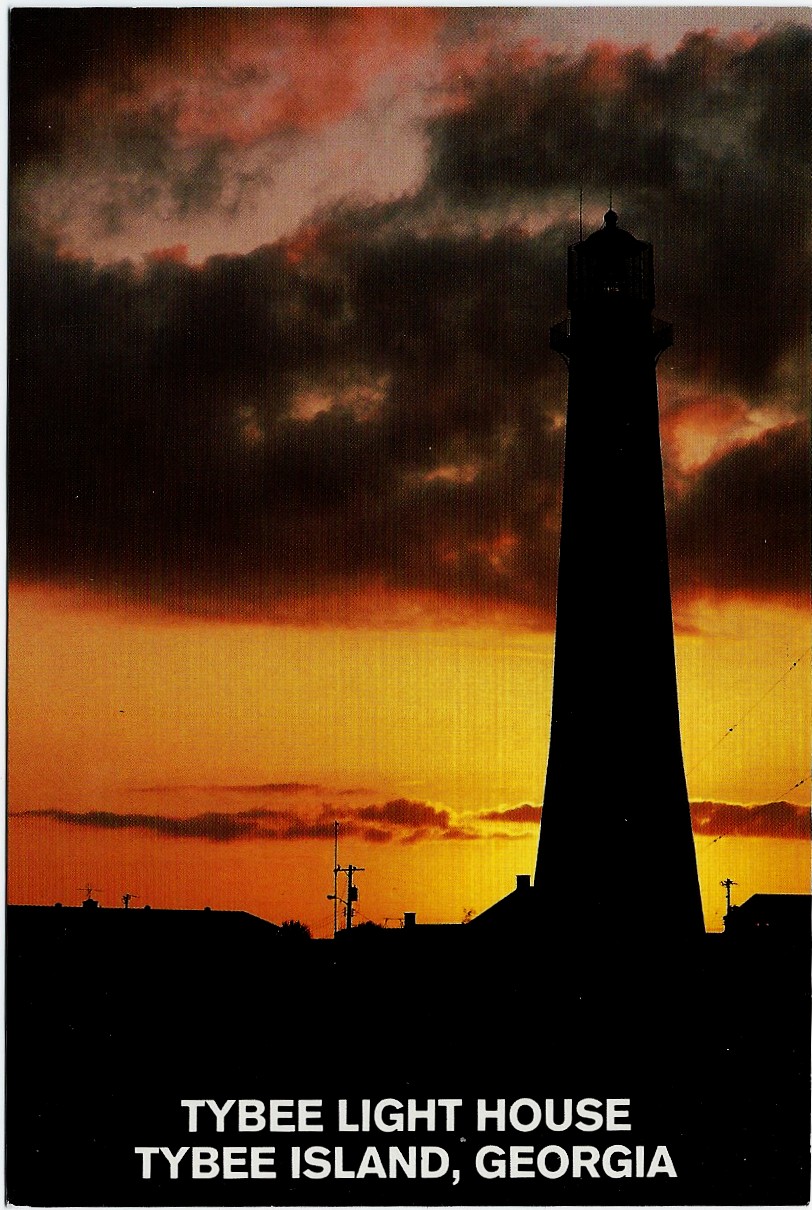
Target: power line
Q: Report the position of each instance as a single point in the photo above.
(715, 840)
(795, 787)
(762, 807)
(748, 712)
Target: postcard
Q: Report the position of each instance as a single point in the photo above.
(408, 601)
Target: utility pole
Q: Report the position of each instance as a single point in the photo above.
(335, 877)
(352, 890)
(727, 883)
(337, 870)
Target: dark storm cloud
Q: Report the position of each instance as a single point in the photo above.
(179, 114)
(55, 53)
(75, 79)
(781, 820)
(709, 150)
(154, 439)
(746, 521)
(374, 404)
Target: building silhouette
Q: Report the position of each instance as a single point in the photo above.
(771, 920)
(616, 854)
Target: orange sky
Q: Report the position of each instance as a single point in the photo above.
(116, 712)
(281, 283)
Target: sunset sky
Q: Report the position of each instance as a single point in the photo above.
(286, 438)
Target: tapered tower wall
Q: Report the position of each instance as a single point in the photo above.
(616, 856)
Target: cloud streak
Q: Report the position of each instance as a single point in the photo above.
(278, 787)
(406, 821)
(779, 820)
(526, 813)
(401, 820)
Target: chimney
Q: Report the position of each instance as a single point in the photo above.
(522, 882)
(409, 920)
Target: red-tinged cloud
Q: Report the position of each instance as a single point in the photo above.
(511, 835)
(271, 71)
(363, 421)
(780, 820)
(461, 834)
(405, 820)
(273, 787)
(238, 75)
(179, 253)
(526, 813)
(404, 812)
(699, 429)
(130, 127)
(375, 835)
(215, 826)
(212, 825)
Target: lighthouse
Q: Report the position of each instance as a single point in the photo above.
(616, 859)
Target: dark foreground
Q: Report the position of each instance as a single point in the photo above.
(113, 1024)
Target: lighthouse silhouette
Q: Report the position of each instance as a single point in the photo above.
(616, 858)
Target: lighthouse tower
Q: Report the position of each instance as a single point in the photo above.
(616, 857)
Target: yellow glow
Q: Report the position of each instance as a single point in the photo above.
(727, 677)
(103, 705)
